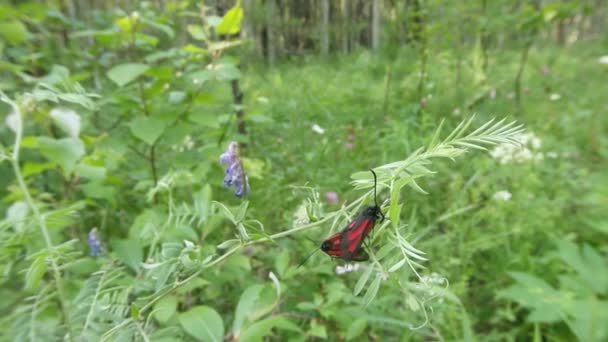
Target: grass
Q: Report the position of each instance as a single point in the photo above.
(482, 238)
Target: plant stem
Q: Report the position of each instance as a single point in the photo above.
(40, 220)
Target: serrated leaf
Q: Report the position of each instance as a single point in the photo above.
(125, 73)
(203, 323)
(147, 129)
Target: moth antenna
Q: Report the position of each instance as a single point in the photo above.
(375, 186)
(308, 257)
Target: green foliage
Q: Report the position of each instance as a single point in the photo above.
(113, 119)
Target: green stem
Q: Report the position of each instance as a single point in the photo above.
(224, 256)
(41, 222)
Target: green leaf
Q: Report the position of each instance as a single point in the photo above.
(282, 262)
(66, 152)
(395, 207)
(231, 22)
(246, 306)
(356, 328)
(317, 330)
(258, 330)
(197, 32)
(13, 31)
(226, 72)
(372, 290)
(165, 308)
(129, 251)
(147, 129)
(124, 73)
(36, 272)
(363, 280)
(202, 203)
(203, 323)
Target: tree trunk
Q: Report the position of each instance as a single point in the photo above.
(324, 27)
(375, 39)
(270, 34)
(345, 34)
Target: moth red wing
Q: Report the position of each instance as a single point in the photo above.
(354, 234)
(332, 246)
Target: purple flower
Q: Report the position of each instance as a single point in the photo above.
(331, 197)
(235, 173)
(95, 243)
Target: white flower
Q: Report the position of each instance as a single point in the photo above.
(13, 121)
(347, 268)
(555, 97)
(262, 99)
(300, 216)
(603, 60)
(530, 143)
(317, 129)
(67, 119)
(552, 155)
(503, 195)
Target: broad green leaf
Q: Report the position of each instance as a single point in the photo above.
(317, 330)
(258, 330)
(147, 129)
(13, 31)
(203, 323)
(66, 152)
(30, 169)
(226, 72)
(67, 119)
(197, 32)
(91, 172)
(231, 22)
(125, 73)
(246, 306)
(165, 308)
(129, 251)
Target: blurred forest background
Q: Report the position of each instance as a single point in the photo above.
(116, 225)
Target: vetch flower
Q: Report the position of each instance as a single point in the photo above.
(318, 129)
(235, 173)
(347, 268)
(331, 197)
(95, 243)
(503, 195)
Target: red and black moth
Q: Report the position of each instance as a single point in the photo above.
(347, 244)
